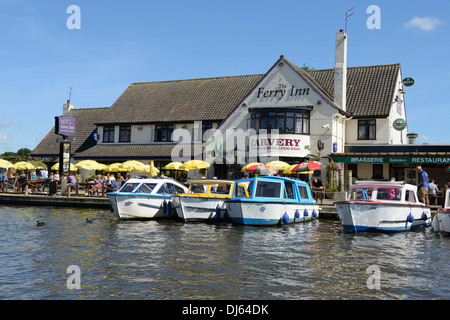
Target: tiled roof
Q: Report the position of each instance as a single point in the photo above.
(121, 152)
(370, 89)
(181, 100)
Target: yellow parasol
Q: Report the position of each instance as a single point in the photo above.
(22, 165)
(173, 166)
(194, 165)
(56, 167)
(278, 165)
(90, 165)
(5, 164)
(153, 170)
(133, 165)
(117, 167)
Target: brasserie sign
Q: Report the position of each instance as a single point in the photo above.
(408, 159)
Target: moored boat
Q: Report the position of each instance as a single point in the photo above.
(441, 221)
(272, 200)
(204, 201)
(382, 206)
(145, 198)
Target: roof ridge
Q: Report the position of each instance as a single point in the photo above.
(197, 79)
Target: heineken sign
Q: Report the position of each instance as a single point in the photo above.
(408, 82)
(399, 124)
(400, 159)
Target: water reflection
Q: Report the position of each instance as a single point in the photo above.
(173, 260)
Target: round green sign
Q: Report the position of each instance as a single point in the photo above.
(408, 82)
(399, 124)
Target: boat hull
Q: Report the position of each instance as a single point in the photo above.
(134, 206)
(259, 213)
(203, 209)
(372, 216)
(443, 216)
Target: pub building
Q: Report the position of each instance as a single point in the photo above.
(349, 115)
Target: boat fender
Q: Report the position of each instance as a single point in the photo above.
(169, 208)
(314, 214)
(225, 214)
(410, 218)
(424, 216)
(305, 213)
(164, 206)
(218, 212)
(297, 214)
(285, 218)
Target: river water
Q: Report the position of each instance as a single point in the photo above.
(173, 260)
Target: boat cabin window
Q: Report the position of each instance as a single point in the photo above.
(410, 196)
(360, 193)
(303, 192)
(268, 189)
(220, 188)
(169, 188)
(240, 191)
(289, 190)
(129, 187)
(388, 194)
(146, 188)
(198, 188)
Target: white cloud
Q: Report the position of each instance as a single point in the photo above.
(3, 138)
(5, 123)
(424, 23)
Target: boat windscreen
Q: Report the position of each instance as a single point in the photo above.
(220, 188)
(198, 187)
(146, 188)
(129, 187)
(268, 189)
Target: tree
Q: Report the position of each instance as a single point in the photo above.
(24, 152)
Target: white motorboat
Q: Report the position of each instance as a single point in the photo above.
(145, 198)
(272, 200)
(204, 201)
(441, 221)
(382, 206)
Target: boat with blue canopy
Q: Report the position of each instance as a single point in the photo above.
(271, 200)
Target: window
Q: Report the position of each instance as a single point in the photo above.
(289, 190)
(129, 187)
(286, 121)
(303, 192)
(223, 188)
(163, 133)
(146, 188)
(367, 129)
(124, 133)
(108, 134)
(240, 192)
(377, 171)
(268, 189)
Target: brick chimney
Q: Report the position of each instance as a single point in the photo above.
(67, 107)
(340, 70)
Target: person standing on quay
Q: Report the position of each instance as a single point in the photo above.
(423, 186)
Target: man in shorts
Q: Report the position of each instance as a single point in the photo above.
(423, 186)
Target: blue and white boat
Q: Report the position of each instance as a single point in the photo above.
(382, 206)
(145, 199)
(271, 200)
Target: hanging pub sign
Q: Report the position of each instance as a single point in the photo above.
(65, 125)
(64, 157)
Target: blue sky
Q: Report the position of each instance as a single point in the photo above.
(121, 42)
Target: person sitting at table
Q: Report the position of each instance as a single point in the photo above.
(71, 183)
(318, 189)
(98, 184)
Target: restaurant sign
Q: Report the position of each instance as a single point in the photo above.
(284, 145)
(408, 159)
(399, 124)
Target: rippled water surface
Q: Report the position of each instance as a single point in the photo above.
(174, 260)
